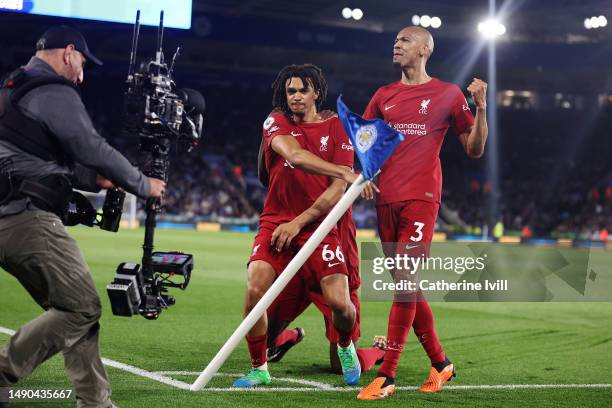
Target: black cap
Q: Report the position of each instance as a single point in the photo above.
(61, 36)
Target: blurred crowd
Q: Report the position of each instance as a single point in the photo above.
(554, 176)
(560, 188)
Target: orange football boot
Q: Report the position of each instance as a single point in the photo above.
(436, 379)
(377, 390)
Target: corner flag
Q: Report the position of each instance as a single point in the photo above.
(374, 140)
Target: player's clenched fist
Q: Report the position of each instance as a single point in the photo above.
(478, 89)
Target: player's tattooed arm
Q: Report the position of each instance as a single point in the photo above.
(474, 139)
(284, 233)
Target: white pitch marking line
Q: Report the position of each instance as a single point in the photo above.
(130, 369)
(147, 374)
(329, 387)
(158, 376)
(447, 387)
(316, 384)
(521, 386)
(4, 330)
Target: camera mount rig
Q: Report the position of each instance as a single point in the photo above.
(159, 115)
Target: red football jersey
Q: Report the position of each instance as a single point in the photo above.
(423, 113)
(291, 191)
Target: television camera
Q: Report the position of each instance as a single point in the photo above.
(160, 116)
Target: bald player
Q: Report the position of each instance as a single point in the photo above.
(422, 108)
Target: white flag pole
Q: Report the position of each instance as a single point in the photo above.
(277, 287)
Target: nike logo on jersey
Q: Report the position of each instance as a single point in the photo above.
(287, 164)
(389, 107)
(412, 246)
(295, 134)
(330, 265)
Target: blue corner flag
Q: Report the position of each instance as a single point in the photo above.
(374, 140)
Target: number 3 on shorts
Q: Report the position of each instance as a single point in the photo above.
(419, 231)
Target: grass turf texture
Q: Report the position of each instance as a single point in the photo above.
(490, 343)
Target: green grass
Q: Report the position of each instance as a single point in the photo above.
(490, 343)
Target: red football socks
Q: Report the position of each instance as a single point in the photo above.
(257, 350)
(400, 320)
(286, 336)
(426, 331)
(368, 357)
(344, 339)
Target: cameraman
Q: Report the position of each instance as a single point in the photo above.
(36, 181)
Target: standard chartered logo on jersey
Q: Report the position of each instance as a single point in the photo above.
(417, 129)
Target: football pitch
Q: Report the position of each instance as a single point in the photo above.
(506, 354)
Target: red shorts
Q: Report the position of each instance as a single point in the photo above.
(352, 262)
(291, 302)
(295, 298)
(353, 272)
(407, 227)
(327, 259)
(409, 222)
(347, 232)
